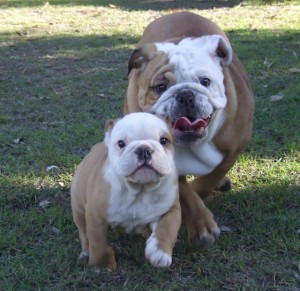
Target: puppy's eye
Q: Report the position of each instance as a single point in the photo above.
(164, 141)
(204, 82)
(161, 88)
(121, 144)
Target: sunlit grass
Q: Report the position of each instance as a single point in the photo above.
(63, 73)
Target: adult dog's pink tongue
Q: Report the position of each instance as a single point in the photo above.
(184, 124)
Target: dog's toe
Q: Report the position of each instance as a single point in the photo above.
(83, 257)
(156, 256)
(207, 238)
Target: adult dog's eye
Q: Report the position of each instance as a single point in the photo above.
(161, 88)
(204, 82)
(164, 141)
(121, 144)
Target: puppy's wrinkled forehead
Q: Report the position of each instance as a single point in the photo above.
(139, 126)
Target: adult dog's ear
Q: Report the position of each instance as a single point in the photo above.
(224, 50)
(141, 56)
(216, 45)
(135, 60)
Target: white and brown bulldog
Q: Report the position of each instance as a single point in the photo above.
(128, 181)
(184, 68)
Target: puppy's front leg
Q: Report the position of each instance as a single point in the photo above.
(160, 244)
(100, 252)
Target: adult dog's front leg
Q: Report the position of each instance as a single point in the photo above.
(201, 226)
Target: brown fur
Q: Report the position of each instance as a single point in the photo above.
(90, 194)
(236, 130)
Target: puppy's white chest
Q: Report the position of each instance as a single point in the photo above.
(133, 211)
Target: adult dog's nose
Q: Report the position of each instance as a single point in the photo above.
(186, 98)
(144, 153)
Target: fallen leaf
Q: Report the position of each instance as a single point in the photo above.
(55, 230)
(268, 63)
(18, 140)
(51, 168)
(276, 97)
(294, 70)
(44, 203)
(225, 228)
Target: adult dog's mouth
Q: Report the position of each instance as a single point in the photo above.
(187, 131)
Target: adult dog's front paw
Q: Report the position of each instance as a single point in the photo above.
(204, 231)
(83, 257)
(156, 256)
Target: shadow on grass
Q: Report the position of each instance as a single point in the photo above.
(40, 244)
(130, 5)
(53, 83)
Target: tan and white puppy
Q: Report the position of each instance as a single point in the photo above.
(128, 181)
(184, 68)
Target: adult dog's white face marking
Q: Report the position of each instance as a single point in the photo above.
(140, 148)
(194, 104)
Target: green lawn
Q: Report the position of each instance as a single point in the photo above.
(63, 67)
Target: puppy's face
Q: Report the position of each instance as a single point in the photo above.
(140, 148)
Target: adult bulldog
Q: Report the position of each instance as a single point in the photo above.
(184, 68)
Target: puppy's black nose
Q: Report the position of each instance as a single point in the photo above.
(186, 98)
(144, 153)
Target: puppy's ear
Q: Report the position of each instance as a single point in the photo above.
(108, 128)
(109, 124)
(141, 56)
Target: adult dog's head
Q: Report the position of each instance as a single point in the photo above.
(184, 81)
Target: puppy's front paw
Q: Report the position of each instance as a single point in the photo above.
(156, 256)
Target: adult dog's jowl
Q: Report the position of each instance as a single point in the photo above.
(184, 68)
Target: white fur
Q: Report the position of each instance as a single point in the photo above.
(132, 207)
(156, 256)
(197, 160)
(193, 59)
(138, 129)
(132, 204)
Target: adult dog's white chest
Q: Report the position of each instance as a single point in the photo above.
(198, 160)
(134, 207)
(203, 158)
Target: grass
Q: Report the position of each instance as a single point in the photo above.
(63, 72)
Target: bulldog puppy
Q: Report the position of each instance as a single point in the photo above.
(184, 68)
(128, 181)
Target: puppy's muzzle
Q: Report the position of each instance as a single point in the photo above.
(144, 154)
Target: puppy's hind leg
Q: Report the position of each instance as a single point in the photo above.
(100, 252)
(160, 244)
(79, 219)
